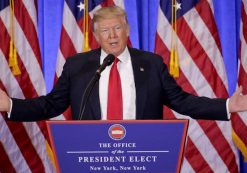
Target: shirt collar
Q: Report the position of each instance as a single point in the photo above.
(123, 57)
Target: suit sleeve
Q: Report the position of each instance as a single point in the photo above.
(188, 104)
(44, 107)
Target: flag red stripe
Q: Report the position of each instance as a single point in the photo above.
(239, 127)
(161, 49)
(28, 33)
(66, 46)
(244, 20)
(200, 58)
(195, 158)
(107, 3)
(28, 28)
(242, 78)
(92, 41)
(220, 144)
(4, 160)
(205, 12)
(43, 128)
(214, 134)
(167, 113)
(23, 141)
(23, 79)
(182, 81)
(165, 53)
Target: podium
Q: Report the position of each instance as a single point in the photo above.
(118, 146)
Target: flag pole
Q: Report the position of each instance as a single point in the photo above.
(174, 64)
(85, 27)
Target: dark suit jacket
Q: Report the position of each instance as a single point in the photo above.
(154, 88)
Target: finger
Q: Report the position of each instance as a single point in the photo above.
(239, 90)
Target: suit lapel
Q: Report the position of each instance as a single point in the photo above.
(94, 98)
(94, 102)
(140, 69)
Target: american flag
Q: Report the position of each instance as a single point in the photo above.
(72, 38)
(240, 119)
(22, 145)
(209, 146)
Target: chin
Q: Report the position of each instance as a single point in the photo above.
(116, 53)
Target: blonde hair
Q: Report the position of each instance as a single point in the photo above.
(108, 13)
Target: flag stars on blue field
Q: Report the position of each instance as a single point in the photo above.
(81, 6)
(178, 6)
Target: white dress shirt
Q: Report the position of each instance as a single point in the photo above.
(127, 83)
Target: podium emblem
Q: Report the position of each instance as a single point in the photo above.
(117, 132)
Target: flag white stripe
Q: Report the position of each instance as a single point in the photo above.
(73, 32)
(206, 40)
(164, 29)
(60, 117)
(32, 129)
(186, 64)
(243, 115)
(226, 129)
(60, 63)
(8, 79)
(243, 49)
(92, 11)
(30, 7)
(12, 86)
(186, 167)
(211, 5)
(245, 5)
(15, 156)
(24, 50)
(119, 3)
(188, 67)
(204, 145)
(37, 139)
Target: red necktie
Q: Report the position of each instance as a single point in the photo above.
(115, 101)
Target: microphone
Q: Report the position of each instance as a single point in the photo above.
(107, 61)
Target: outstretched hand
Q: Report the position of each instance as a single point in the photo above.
(238, 101)
(4, 102)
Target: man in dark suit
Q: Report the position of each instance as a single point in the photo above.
(145, 83)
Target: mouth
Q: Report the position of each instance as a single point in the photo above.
(113, 44)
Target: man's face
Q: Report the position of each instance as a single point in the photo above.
(112, 34)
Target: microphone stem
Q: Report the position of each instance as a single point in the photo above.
(87, 93)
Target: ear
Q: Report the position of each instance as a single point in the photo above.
(128, 30)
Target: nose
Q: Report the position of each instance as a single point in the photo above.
(112, 33)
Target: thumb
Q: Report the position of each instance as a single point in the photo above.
(239, 90)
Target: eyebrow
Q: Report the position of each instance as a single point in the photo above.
(105, 27)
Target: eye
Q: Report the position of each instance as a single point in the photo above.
(104, 30)
(118, 28)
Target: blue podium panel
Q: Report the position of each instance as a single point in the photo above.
(118, 146)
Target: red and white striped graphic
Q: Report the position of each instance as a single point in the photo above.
(22, 145)
(71, 40)
(239, 121)
(209, 146)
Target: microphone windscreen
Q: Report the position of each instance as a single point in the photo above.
(109, 59)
